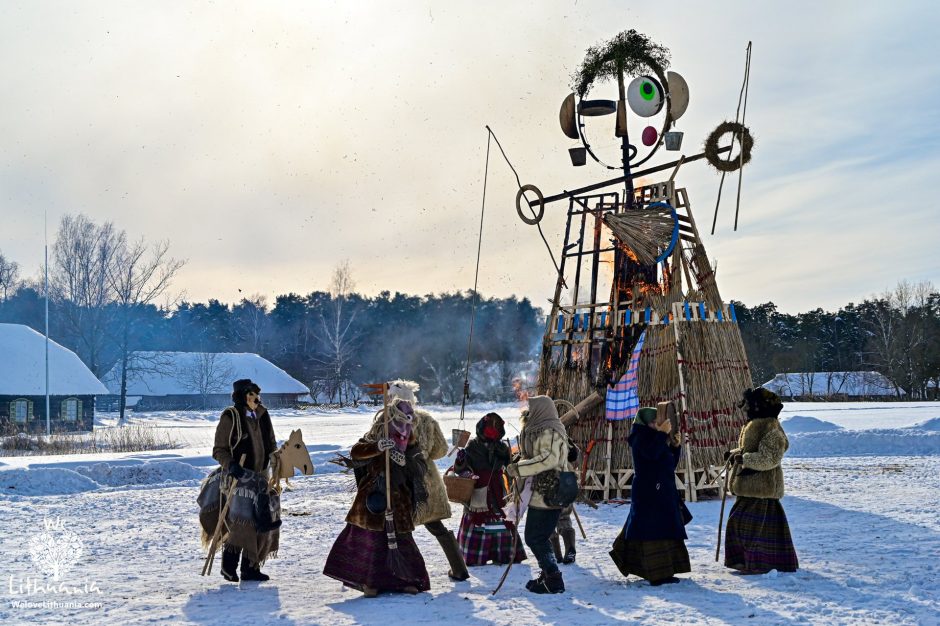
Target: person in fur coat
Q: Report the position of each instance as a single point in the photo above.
(360, 555)
(758, 537)
(543, 448)
(243, 429)
(434, 446)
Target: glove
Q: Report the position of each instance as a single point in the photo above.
(235, 470)
(727, 455)
(398, 457)
(385, 444)
(512, 470)
(738, 459)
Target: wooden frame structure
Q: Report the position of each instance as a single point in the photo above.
(692, 354)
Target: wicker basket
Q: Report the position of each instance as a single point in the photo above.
(459, 489)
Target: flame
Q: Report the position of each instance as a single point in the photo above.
(522, 393)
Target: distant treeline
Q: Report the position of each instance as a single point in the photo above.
(104, 288)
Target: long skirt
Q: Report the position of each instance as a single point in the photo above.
(359, 559)
(653, 560)
(490, 541)
(758, 537)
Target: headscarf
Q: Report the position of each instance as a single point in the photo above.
(542, 416)
(645, 416)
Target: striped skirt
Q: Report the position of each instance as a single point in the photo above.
(491, 541)
(359, 559)
(758, 537)
(653, 560)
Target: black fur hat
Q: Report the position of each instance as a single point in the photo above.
(759, 402)
(240, 389)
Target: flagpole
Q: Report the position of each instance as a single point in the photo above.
(45, 229)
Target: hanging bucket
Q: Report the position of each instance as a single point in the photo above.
(673, 140)
(459, 437)
(578, 156)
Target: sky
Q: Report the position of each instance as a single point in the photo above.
(269, 142)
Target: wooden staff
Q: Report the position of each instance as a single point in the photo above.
(214, 542)
(721, 515)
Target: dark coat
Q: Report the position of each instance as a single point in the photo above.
(403, 481)
(257, 440)
(655, 507)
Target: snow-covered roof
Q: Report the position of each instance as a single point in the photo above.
(23, 366)
(831, 383)
(186, 373)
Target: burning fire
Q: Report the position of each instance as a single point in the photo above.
(522, 393)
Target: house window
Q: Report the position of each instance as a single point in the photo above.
(71, 409)
(20, 410)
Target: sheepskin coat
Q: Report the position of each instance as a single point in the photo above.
(432, 442)
(550, 452)
(762, 445)
(402, 504)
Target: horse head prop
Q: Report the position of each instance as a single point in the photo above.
(292, 455)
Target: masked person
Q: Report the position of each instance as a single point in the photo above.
(758, 536)
(484, 533)
(543, 451)
(244, 429)
(651, 544)
(361, 556)
(434, 446)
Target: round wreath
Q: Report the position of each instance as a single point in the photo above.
(745, 140)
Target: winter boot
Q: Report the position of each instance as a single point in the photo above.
(458, 568)
(551, 583)
(535, 582)
(568, 536)
(556, 547)
(250, 571)
(230, 565)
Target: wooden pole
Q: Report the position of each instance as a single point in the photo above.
(690, 494)
(214, 542)
(610, 449)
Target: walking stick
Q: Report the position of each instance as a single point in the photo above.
(577, 518)
(214, 542)
(721, 515)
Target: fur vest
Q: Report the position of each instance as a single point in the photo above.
(434, 446)
(762, 445)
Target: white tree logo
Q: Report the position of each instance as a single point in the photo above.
(56, 549)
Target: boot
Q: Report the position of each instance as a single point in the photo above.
(556, 547)
(458, 568)
(550, 583)
(535, 582)
(568, 536)
(230, 565)
(252, 572)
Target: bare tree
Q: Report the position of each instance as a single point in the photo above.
(83, 256)
(251, 322)
(139, 275)
(337, 334)
(205, 374)
(9, 276)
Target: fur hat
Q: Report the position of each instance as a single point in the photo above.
(760, 402)
(240, 389)
(403, 390)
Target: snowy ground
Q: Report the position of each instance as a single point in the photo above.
(862, 502)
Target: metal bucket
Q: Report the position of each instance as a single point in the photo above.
(673, 140)
(578, 156)
(459, 437)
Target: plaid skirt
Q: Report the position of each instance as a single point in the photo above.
(758, 537)
(359, 559)
(491, 541)
(653, 560)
